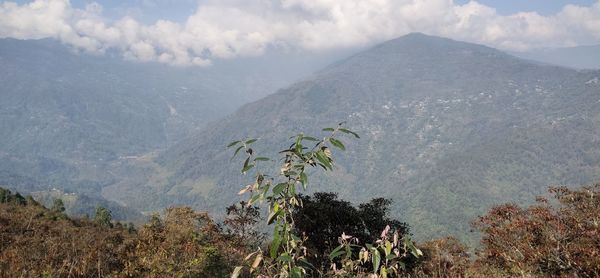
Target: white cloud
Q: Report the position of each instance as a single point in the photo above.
(221, 29)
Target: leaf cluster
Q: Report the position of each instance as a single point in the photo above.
(287, 254)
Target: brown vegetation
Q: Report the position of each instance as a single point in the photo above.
(553, 238)
(35, 242)
(558, 240)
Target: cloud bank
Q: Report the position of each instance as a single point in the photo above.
(221, 29)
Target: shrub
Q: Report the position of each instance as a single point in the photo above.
(560, 239)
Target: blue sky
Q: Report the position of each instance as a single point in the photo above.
(149, 11)
(544, 7)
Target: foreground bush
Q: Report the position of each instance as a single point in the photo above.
(38, 242)
(185, 244)
(323, 217)
(35, 242)
(558, 239)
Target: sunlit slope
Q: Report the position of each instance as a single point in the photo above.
(447, 129)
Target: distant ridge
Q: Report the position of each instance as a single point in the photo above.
(579, 57)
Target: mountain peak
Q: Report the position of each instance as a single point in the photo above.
(417, 36)
(422, 43)
(419, 55)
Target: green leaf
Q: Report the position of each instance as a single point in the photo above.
(233, 144)
(296, 272)
(328, 129)
(303, 180)
(250, 141)
(383, 272)
(247, 168)
(274, 213)
(275, 243)
(285, 257)
(336, 252)
(323, 159)
(236, 272)
(376, 259)
(261, 159)
(254, 199)
(305, 264)
(337, 143)
(237, 151)
(388, 247)
(348, 251)
(265, 188)
(412, 248)
(308, 138)
(290, 173)
(347, 131)
(279, 188)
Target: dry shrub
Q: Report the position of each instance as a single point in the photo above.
(445, 257)
(560, 240)
(36, 242)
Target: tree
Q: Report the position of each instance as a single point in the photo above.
(6, 196)
(103, 217)
(323, 218)
(241, 221)
(375, 216)
(19, 199)
(58, 206)
(131, 228)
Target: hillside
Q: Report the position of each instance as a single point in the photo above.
(447, 128)
(40, 242)
(66, 117)
(79, 205)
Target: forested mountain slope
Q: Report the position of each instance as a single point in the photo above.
(447, 129)
(66, 116)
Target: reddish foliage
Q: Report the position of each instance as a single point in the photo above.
(544, 239)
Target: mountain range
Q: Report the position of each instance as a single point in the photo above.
(447, 129)
(68, 117)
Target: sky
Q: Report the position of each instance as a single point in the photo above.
(197, 32)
